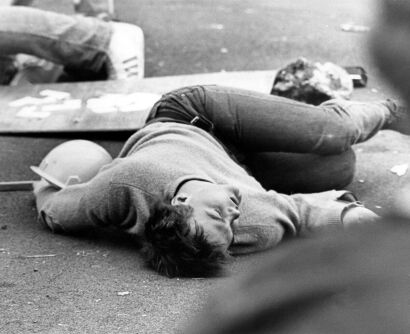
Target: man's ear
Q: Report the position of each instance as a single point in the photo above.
(180, 199)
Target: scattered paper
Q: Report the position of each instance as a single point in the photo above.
(57, 101)
(123, 293)
(59, 95)
(102, 109)
(38, 256)
(32, 112)
(122, 102)
(350, 27)
(217, 26)
(400, 170)
(25, 101)
(63, 106)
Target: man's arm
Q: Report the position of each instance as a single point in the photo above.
(76, 206)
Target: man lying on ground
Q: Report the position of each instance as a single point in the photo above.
(201, 181)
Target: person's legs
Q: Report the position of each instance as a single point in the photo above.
(289, 146)
(256, 122)
(302, 172)
(76, 41)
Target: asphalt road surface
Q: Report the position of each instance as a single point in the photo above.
(97, 283)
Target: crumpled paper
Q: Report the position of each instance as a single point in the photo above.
(400, 170)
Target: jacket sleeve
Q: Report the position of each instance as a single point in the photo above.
(268, 218)
(324, 208)
(79, 206)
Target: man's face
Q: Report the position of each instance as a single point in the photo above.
(215, 208)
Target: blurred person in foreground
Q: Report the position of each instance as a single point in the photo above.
(390, 44)
(355, 281)
(344, 282)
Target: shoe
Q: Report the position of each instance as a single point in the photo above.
(34, 70)
(8, 70)
(102, 9)
(126, 52)
(399, 119)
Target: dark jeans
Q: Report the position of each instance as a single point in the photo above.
(287, 145)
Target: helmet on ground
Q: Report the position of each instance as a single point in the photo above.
(75, 161)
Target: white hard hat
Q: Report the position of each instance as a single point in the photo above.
(75, 161)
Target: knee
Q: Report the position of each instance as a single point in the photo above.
(347, 167)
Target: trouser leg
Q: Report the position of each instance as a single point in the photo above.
(302, 172)
(255, 122)
(288, 146)
(77, 42)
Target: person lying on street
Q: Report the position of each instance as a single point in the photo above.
(218, 172)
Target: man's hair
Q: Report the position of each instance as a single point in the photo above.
(173, 250)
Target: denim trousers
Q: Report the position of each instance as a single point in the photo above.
(287, 145)
(75, 41)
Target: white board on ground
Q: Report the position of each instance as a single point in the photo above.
(104, 105)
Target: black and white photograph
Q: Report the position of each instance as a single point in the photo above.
(204, 167)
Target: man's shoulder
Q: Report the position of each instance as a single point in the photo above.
(142, 172)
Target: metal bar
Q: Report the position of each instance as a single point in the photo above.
(17, 186)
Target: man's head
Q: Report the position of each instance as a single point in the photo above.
(189, 234)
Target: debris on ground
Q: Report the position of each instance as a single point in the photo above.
(123, 293)
(400, 170)
(217, 26)
(37, 256)
(350, 27)
(52, 101)
(358, 75)
(311, 82)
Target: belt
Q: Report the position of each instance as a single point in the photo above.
(197, 120)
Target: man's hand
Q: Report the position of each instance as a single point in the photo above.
(39, 185)
(359, 215)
